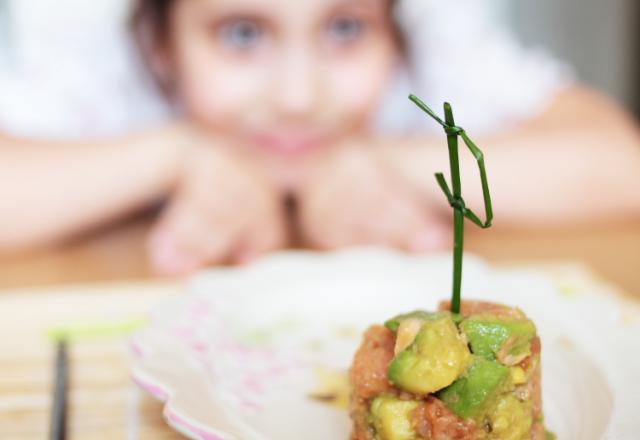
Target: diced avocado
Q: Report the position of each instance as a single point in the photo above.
(436, 358)
(548, 435)
(391, 418)
(507, 340)
(511, 419)
(393, 323)
(473, 395)
(518, 375)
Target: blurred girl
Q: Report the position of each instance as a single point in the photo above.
(307, 100)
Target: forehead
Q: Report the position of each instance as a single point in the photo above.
(288, 7)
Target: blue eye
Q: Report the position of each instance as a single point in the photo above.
(345, 29)
(241, 35)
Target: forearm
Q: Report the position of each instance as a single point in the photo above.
(51, 190)
(575, 170)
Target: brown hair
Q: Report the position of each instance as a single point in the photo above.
(149, 24)
(151, 31)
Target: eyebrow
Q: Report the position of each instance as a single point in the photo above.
(358, 4)
(230, 6)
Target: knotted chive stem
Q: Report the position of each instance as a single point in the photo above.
(460, 211)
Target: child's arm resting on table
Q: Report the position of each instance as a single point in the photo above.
(577, 162)
(220, 208)
(53, 189)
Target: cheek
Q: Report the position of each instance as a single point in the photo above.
(356, 85)
(213, 90)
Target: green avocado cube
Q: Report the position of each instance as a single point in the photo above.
(437, 357)
(509, 341)
(511, 419)
(393, 323)
(474, 395)
(391, 418)
(548, 435)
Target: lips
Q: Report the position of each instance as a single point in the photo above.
(288, 143)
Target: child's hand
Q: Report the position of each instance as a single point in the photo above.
(352, 200)
(222, 210)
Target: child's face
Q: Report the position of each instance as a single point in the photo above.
(286, 76)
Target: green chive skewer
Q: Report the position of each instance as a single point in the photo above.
(460, 211)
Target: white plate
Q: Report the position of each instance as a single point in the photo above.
(240, 354)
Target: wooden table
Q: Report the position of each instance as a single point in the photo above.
(103, 402)
(611, 251)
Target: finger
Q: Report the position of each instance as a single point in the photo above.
(396, 217)
(344, 226)
(435, 236)
(166, 256)
(404, 223)
(421, 230)
(185, 240)
(256, 242)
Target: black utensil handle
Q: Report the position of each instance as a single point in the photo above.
(59, 407)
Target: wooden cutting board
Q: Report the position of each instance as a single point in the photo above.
(104, 404)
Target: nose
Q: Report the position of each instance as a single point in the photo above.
(296, 87)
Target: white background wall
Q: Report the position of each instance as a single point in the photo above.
(600, 38)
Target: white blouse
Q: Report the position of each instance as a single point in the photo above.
(68, 69)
